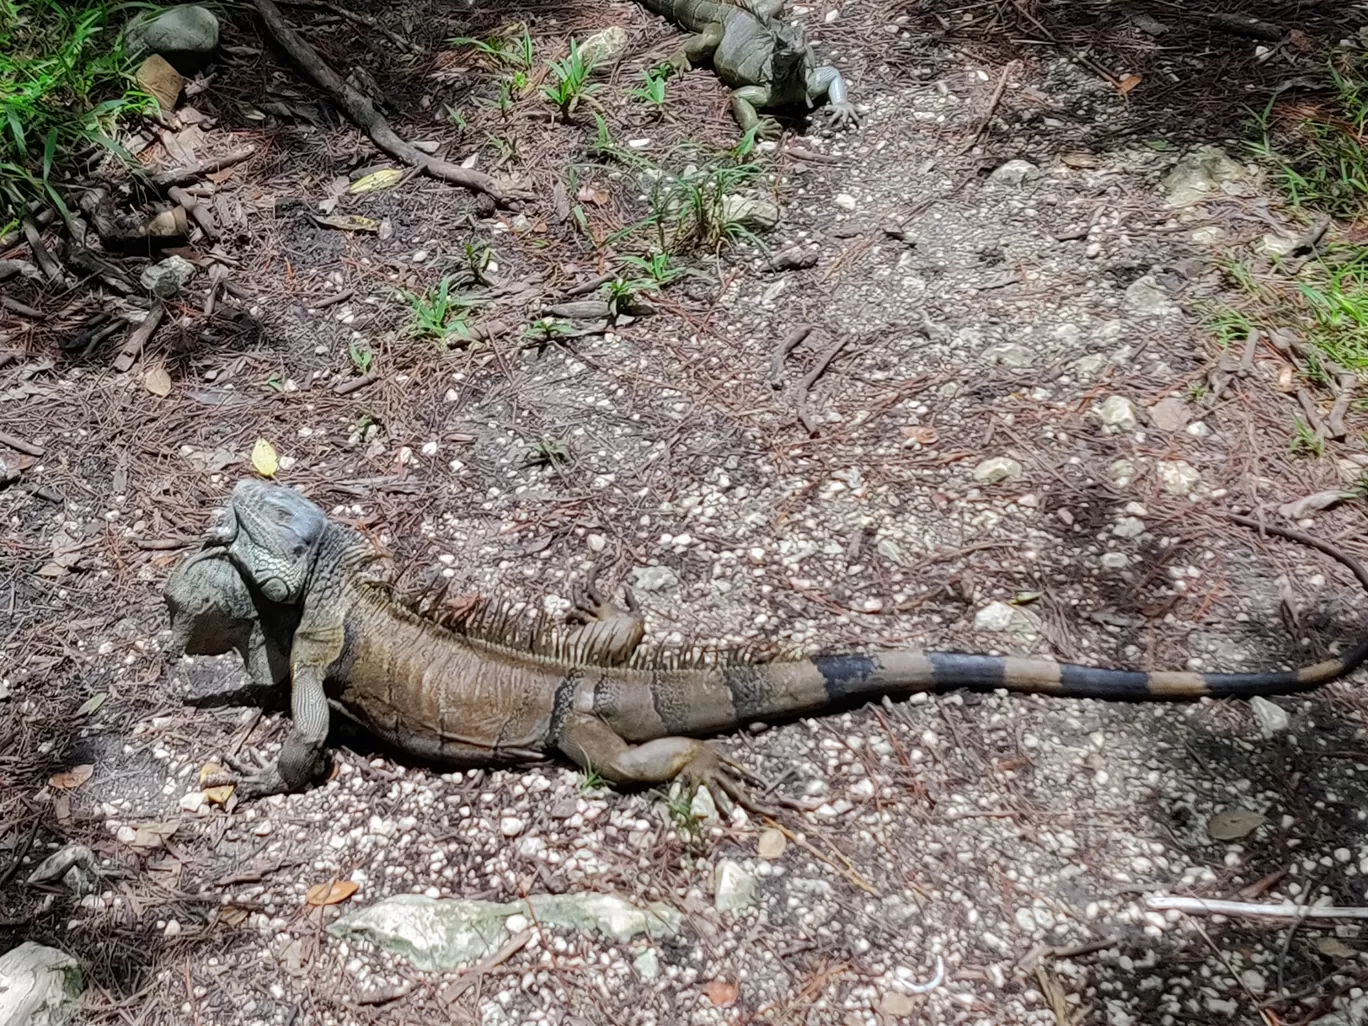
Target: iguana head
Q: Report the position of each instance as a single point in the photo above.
(788, 62)
(271, 533)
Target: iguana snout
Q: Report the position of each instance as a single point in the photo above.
(272, 533)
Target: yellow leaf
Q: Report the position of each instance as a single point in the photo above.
(157, 381)
(214, 795)
(386, 178)
(74, 777)
(330, 893)
(722, 993)
(1128, 83)
(264, 459)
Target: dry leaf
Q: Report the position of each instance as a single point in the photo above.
(1312, 504)
(896, 1004)
(588, 194)
(157, 381)
(1128, 83)
(233, 916)
(1080, 160)
(1286, 378)
(330, 893)
(1334, 947)
(386, 178)
(349, 223)
(771, 844)
(93, 703)
(264, 459)
(214, 795)
(721, 993)
(1232, 824)
(74, 777)
(153, 835)
(921, 434)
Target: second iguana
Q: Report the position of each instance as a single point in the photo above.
(767, 62)
(290, 590)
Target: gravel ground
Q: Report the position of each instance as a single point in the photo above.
(989, 473)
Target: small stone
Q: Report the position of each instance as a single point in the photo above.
(1211, 235)
(654, 578)
(1145, 297)
(702, 806)
(647, 964)
(1088, 367)
(1198, 429)
(172, 928)
(1014, 173)
(771, 844)
(516, 923)
(1279, 245)
(1114, 560)
(996, 470)
(1177, 477)
(1272, 718)
(167, 277)
(995, 616)
(733, 887)
(1129, 527)
(1200, 175)
(192, 802)
(1233, 824)
(1118, 412)
(1121, 473)
(845, 201)
(511, 826)
(1170, 414)
(1254, 981)
(596, 542)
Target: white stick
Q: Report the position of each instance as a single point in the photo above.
(1287, 910)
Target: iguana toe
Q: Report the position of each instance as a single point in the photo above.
(843, 115)
(721, 774)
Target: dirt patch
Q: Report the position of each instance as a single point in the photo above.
(985, 314)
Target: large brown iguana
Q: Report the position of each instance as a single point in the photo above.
(767, 62)
(291, 591)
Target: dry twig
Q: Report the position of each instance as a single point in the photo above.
(1251, 910)
(810, 379)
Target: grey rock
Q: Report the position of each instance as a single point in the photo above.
(758, 213)
(1121, 473)
(997, 469)
(1273, 719)
(39, 986)
(654, 578)
(702, 806)
(438, 934)
(168, 277)
(177, 31)
(889, 550)
(75, 866)
(1014, 173)
(647, 964)
(1117, 411)
(1177, 477)
(1145, 297)
(995, 616)
(1114, 560)
(1204, 173)
(1129, 527)
(733, 887)
(1088, 367)
(1279, 245)
(604, 47)
(1170, 414)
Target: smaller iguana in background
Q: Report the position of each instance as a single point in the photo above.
(767, 62)
(295, 595)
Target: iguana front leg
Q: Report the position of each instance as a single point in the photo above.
(595, 747)
(744, 104)
(698, 46)
(827, 81)
(302, 759)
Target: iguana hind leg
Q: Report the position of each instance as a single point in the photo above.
(605, 632)
(594, 746)
(696, 47)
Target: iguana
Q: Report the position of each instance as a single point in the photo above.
(294, 593)
(767, 62)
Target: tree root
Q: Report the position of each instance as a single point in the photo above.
(362, 111)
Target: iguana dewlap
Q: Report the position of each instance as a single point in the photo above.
(280, 583)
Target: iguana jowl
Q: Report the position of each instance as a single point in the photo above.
(290, 591)
(766, 62)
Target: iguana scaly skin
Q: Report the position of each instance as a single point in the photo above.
(291, 591)
(765, 61)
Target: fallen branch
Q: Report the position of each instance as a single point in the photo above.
(193, 207)
(810, 379)
(355, 384)
(133, 347)
(1251, 910)
(22, 309)
(46, 262)
(1335, 422)
(27, 448)
(188, 173)
(362, 111)
(993, 102)
(1239, 25)
(781, 353)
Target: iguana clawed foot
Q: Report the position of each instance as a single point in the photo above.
(604, 630)
(724, 777)
(255, 776)
(843, 116)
